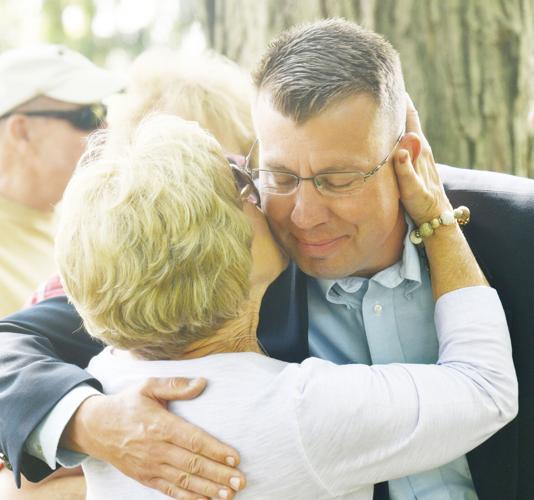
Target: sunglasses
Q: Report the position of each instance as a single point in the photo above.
(87, 118)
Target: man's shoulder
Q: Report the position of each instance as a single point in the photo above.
(54, 322)
(481, 181)
(495, 199)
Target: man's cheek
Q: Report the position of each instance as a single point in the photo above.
(276, 210)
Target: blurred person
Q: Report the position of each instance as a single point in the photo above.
(206, 88)
(337, 102)
(50, 100)
(163, 213)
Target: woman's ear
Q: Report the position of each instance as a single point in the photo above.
(412, 143)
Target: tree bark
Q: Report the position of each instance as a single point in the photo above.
(468, 64)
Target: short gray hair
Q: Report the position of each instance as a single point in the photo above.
(310, 67)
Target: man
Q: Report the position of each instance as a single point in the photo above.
(330, 100)
(50, 100)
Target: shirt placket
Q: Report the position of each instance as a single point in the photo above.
(380, 325)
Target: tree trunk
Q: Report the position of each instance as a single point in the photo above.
(467, 64)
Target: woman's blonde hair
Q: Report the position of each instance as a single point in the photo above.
(206, 88)
(153, 247)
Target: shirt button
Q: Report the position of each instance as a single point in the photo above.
(377, 308)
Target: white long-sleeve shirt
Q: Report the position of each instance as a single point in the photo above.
(321, 431)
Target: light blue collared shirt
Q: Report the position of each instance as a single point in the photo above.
(388, 318)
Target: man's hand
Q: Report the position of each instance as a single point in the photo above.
(134, 431)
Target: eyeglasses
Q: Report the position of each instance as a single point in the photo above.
(244, 181)
(328, 183)
(86, 118)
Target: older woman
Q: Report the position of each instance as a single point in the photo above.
(167, 264)
(207, 88)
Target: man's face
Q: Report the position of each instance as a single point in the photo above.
(333, 237)
(58, 146)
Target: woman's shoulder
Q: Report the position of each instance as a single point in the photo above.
(117, 369)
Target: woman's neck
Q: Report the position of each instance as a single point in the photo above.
(237, 335)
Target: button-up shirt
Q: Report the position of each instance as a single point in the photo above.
(388, 318)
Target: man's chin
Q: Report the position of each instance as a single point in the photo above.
(322, 268)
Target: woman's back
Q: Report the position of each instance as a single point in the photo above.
(249, 402)
(321, 431)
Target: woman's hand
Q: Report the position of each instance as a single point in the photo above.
(420, 186)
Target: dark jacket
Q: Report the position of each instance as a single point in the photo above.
(44, 347)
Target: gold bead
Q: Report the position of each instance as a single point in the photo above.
(465, 217)
(434, 223)
(426, 230)
(415, 237)
(447, 218)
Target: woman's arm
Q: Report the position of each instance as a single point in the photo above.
(361, 425)
(452, 264)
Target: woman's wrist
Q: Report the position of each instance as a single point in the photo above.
(426, 229)
(452, 264)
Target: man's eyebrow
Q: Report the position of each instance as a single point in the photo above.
(340, 167)
(278, 167)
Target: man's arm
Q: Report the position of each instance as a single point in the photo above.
(66, 484)
(33, 376)
(43, 350)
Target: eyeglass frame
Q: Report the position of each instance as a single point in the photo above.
(243, 180)
(365, 176)
(98, 111)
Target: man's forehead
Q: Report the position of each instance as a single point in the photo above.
(345, 135)
(357, 115)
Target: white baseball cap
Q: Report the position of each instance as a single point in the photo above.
(53, 71)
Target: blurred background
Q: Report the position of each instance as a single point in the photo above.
(468, 64)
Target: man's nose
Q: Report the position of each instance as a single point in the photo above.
(310, 207)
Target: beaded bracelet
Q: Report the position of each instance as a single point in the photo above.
(462, 215)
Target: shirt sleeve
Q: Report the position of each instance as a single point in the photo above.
(361, 425)
(43, 442)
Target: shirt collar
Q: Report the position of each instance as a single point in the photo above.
(407, 269)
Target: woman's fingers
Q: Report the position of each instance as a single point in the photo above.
(408, 179)
(422, 197)
(421, 190)
(413, 123)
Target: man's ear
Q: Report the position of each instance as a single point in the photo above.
(412, 143)
(17, 129)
